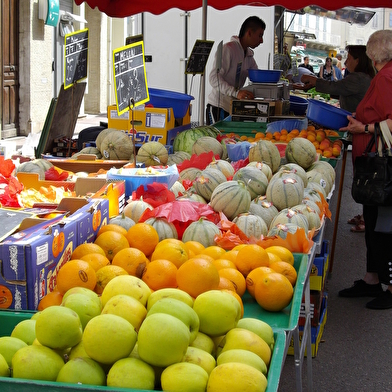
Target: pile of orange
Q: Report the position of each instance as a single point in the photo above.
(267, 274)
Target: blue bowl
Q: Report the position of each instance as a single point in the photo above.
(179, 102)
(298, 105)
(264, 75)
(327, 115)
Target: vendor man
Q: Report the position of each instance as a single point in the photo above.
(228, 78)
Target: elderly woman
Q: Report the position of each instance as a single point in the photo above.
(375, 107)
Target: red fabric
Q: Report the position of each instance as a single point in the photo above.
(122, 8)
(373, 108)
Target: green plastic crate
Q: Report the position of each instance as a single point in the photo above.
(287, 319)
(241, 128)
(8, 320)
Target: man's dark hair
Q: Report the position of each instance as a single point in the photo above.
(254, 23)
(364, 63)
(306, 57)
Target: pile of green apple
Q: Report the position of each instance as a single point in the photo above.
(133, 338)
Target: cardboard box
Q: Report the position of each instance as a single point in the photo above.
(151, 124)
(100, 188)
(316, 299)
(31, 257)
(32, 181)
(319, 269)
(316, 332)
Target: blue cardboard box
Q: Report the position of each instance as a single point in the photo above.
(319, 269)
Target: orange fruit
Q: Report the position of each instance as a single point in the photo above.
(85, 249)
(238, 247)
(273, 292)
(50, 299)
(225, 284)
(224, 263)
(238, 298)
(112, 227)
(285, 269)
(106, 274)
(204, 257)
(254, 276)
(194, 246)
(231, 255)
(176, 252)
(160, 274)
(132, 260)
(196, 276)
(144, 237)
(76, 273)
(236, 277)
(273, 258)
(284, 253)
(250, 257)
(216, 252)
(96, 260)
(111, 242)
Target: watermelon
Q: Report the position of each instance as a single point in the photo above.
(184, 140)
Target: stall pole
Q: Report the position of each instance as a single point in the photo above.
(346, 143)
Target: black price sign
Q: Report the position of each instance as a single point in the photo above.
(198, 59)
(76, 54)
(130, 76)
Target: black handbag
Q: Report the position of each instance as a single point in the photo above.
(372, 181)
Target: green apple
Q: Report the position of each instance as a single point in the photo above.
(25, 330)
(239, 338)
(218, 312)
(108, 338)
(180, 310)
(58, 327)
(235, 376)
(204, 342)
(9, 346)
(259, 327)
(200, 357)
(127, 307)
(83, 290)
(36, 363)
(169, 292)
(162, 339)
(82, 371)
(127, 285)
(184, 376)
(4, 368)
(85, 306)
(131, 373)
(243, 356)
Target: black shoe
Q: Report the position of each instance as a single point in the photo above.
(361, 289)
(382, 301)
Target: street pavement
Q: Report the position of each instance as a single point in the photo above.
(354, 353)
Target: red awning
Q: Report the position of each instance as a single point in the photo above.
(123, 8)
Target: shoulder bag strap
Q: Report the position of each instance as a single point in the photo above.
(372, 142)
(387, 136)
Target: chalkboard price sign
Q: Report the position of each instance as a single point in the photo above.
(76, 54)
(199, 56)
(130, 76)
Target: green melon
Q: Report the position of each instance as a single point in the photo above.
(225, 167)
(164, 228)
(321, 179)
(207, 181)
(135, 208)
(296, 169)
(185, 140)
(202, 231)
(285, 192)
(311, 214)
(88, 150)
(265, 151)
(251, 225)
(117, 145)
(232, 198)
(254, 179)
(30, 167)
(264, 209)
(289, 215)
(190, 173)
(152, 154)
(44, 163)
(262, 167)
(207, 144)
(102, 135)
(123, 221)
(281, 230)
(301, 151)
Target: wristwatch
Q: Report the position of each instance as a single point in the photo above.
(366, 128)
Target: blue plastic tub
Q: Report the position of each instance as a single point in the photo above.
(298, 105)
(264, 75)
(170, 99)
(327, 115)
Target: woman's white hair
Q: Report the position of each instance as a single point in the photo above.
(379, 46)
